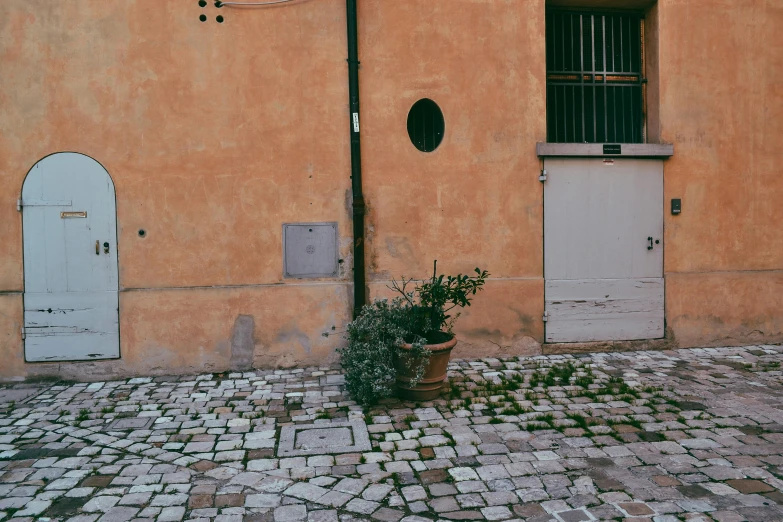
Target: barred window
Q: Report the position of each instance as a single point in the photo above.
(595, 75)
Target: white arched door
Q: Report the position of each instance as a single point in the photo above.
(70, 261)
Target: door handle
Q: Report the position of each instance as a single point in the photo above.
(650, 246)
(106, 248)
(97, 247)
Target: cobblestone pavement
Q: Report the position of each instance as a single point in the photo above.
(664, 436)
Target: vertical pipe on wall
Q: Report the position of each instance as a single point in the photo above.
(359, 292)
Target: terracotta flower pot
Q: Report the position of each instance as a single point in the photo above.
(429, 386)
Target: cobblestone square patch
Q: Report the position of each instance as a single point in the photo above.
(131, 423)
(323, 438)
(319, 439)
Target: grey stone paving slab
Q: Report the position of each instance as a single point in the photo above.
(364, 507)
(306, 491)
(317, 439)
(131, 423)
(323, 439)
(19, 394)
(290, 513)
(262, 500)
(322, 515)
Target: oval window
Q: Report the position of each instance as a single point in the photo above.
(425, 125)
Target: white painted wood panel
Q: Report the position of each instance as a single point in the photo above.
(71, 326)
(602, 281)
(63, 272)
(598, 217)
(604, 310)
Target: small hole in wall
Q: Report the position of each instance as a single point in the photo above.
(219, 19)
(202, 3)
(142, 232)
(203, 18)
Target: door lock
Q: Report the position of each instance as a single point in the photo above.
(97, 247)
(106, 248)
(650, 246)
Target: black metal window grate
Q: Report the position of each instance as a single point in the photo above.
(594, 77)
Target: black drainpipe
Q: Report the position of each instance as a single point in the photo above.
(359, 293)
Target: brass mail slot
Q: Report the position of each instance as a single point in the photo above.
(80, 214)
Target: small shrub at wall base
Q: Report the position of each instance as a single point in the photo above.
(403, 345)
(373, 339)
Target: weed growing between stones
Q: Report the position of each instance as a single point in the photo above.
(539, 396)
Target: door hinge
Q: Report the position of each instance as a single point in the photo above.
(18, 205)
(546, 316)
(542, 177)
(23, 334)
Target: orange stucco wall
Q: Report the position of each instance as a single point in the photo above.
(721, 104)
(476, 200)
(217, 134)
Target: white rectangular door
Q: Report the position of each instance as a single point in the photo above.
(603, 249)
(70, 261)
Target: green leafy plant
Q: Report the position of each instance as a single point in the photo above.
(430, 302)
(373, 339)
(419, 316)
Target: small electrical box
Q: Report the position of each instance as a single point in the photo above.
(310, 250)
(676, 206)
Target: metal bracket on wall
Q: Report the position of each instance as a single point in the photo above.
(546, 316)
(18, 205)
(542, 177)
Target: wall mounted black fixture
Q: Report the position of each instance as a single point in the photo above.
(676, 206)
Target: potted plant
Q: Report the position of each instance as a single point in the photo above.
(404, 344)
(429, 304)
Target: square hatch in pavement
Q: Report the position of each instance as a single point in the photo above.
(131, 423)
(324, 439)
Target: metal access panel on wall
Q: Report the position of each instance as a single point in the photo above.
(603, 249)
(310, 250)
(69, 230)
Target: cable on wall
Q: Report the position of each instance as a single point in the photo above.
(251, 4)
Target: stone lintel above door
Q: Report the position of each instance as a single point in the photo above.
(605, 150)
